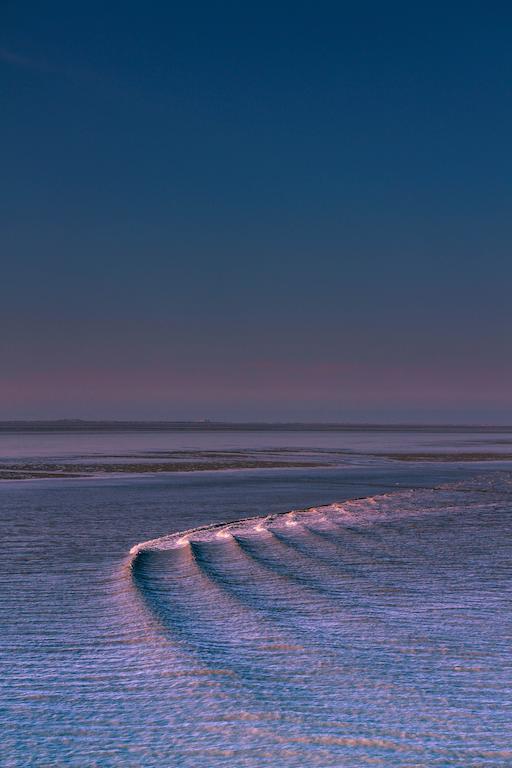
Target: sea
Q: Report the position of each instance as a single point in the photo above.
(255, 596)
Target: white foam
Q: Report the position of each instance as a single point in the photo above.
(364, 511)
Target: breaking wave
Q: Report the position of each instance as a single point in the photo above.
(382, 608)
(363, 511)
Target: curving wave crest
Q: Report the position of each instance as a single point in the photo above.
(363, 511)
(339, 623)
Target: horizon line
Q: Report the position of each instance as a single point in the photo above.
(262, 424)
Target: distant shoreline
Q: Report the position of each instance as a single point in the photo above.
(82, 425)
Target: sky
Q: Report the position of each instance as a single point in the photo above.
(256, 211)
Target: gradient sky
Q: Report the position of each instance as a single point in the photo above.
(262, 210)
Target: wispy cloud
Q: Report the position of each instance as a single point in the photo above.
(79, 76)
(17, 60)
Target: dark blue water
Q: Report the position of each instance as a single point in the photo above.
(371, 632)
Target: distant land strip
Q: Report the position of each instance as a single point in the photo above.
(80, 425)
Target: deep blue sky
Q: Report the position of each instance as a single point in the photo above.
(256, 210)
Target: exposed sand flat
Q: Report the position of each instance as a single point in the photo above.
(30, 471)
(202, 461)
(454, 456)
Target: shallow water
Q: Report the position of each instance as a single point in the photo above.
(328, 630)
